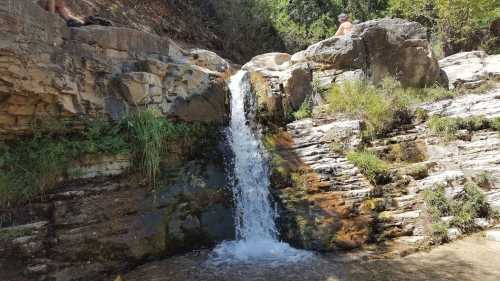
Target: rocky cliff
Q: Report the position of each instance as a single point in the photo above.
(326, 201)
(51, 71)
(104, 220)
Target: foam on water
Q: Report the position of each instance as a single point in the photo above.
(256, 232)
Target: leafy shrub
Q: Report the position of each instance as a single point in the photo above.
(437, 204)
(456, 22)
(495, 124)
(34, 166)
(370, 165)
(439, 232)
(444, 127)
(305, 110)
(467, 206)
(484, 179)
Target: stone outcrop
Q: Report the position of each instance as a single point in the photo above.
(375, 50)
(87, 230)
(50, 71)
(279, 87)
(321, 193)
(471, 69)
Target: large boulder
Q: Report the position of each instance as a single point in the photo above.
(280, 87)
(339, 52)
(180, 91)
(48, 69)
(399, 49)
(375, 49)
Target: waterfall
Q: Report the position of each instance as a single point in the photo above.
(256, 232)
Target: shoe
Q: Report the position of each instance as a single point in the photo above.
(73, 23)
(95, 20)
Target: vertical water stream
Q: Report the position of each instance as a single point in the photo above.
(256, 232)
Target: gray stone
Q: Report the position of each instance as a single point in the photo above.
(470, 69)
(454, 233)
(493, 235)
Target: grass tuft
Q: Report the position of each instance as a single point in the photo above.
(382, 108)
(34, 166)
(370, 165)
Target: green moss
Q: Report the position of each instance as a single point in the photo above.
(370, 165)
(9, 234)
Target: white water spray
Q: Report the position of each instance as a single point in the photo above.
(256, 232)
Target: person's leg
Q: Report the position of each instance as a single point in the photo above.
(65, 12)
(49, 5)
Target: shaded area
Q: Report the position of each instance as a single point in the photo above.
(473, 258)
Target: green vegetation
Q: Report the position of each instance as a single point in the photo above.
(448, 127)
(495, 124)
(467, 206)
(438, 204)
(370, 165)
(439, 232)
(484, 179)
(305, 110)
(251, 27)
(455, 22)
(382, 108)
(9, 234)
(34, 166)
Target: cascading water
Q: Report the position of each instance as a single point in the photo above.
(256, 232)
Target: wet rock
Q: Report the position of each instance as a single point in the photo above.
(279, 88)
(101, 227)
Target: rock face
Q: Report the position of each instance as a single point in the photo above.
(87, 231)
(280, 88)
(327, 204)
(470, 69)
(376, 49)
(322, 204)
(399, 49)
(49, 70)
